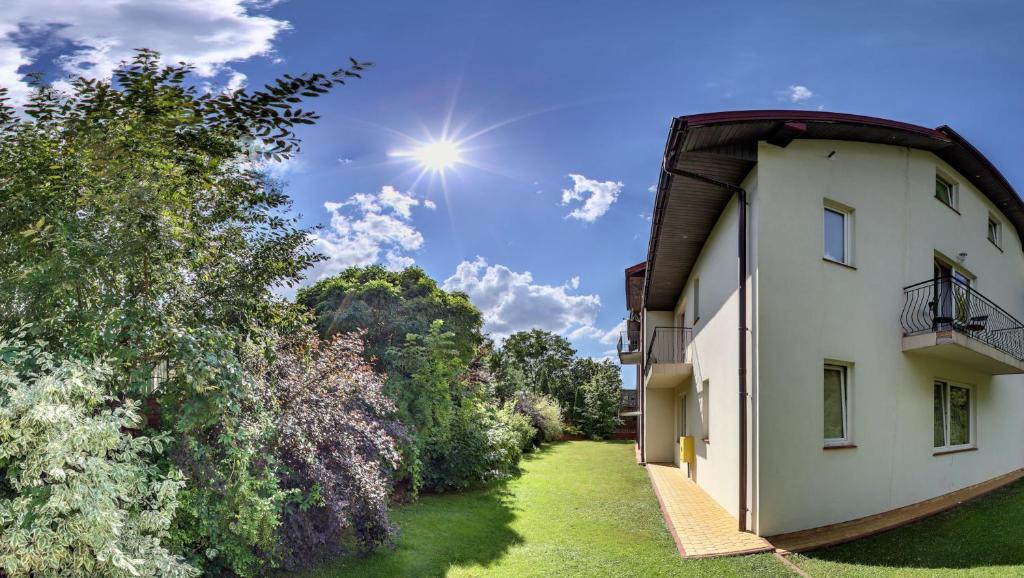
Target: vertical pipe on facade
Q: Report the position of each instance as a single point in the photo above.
(668, 165)
(742, 197)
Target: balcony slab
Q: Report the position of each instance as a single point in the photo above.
(666, 375)
(960, 348)
(630, 357)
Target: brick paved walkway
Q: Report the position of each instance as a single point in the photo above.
(699, 525)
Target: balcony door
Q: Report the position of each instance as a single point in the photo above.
(952, 296)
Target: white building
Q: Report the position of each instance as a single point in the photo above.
(846, 345)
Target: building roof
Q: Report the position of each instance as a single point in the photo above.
(723, 146)
(635, 286)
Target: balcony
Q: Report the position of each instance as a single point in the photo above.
(630, 348)
(947, 319)
(668, 364)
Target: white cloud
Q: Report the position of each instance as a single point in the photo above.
(283, 168)
(397, 262)
(365, 226)
(606, 337)
(597, 197)
(236, 82)
(100, 34)
(402, 204)
(585, 332)
(430, 204)
(612, 335)
(510, 301)
(799, 93)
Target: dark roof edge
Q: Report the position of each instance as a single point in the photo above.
(961, 141)
(809, 115)
(664, 180)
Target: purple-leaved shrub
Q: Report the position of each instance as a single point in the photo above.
(337, 437)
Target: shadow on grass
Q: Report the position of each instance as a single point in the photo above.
(985, 532)
(438, 532)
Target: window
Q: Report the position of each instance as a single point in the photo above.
(953, 407)
(837, 405)
(696, 300)
(946, 191)
(995, 231)
(837, 235)
(705, 411)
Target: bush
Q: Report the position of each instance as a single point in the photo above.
(337, 436)
(232, 504)
(571, 430)
(512, 428)
(480, 443)
(544, 414)
(78, 494)
(455, 457)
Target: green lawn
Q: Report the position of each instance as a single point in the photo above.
(982, 538)
(579, 509)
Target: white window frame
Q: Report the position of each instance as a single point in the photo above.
(971, 416)
(998, 231)
(847, 214)
(954, 190)
(846, 375)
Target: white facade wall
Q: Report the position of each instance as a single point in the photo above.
(713, 353)
(809, 310)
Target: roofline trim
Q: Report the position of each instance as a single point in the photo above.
(813, 116)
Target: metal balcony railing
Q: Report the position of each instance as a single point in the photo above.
(668, 345)
(948, 304)
(629, 342)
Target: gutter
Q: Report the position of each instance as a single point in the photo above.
(668, 167)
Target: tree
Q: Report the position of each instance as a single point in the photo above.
(584, 371)
(139, 226)
(135, 209)
(544, 358)
(390, 305)
(509, 381)
(602, 397)
(426, 371)
(544, 363)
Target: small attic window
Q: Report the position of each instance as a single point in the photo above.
(946, 191)
(995, 231)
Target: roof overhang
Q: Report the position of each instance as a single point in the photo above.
(722, 146)
(635, 286)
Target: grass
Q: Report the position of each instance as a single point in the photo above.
(579, 509)
(982, 538)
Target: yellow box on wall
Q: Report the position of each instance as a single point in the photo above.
(686, 452)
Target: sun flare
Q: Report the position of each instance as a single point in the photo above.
(438, 155)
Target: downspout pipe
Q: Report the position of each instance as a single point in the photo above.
(668, 165)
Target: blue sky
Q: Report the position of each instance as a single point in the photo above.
(558, 89)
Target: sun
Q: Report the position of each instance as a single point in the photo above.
(438, 155)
